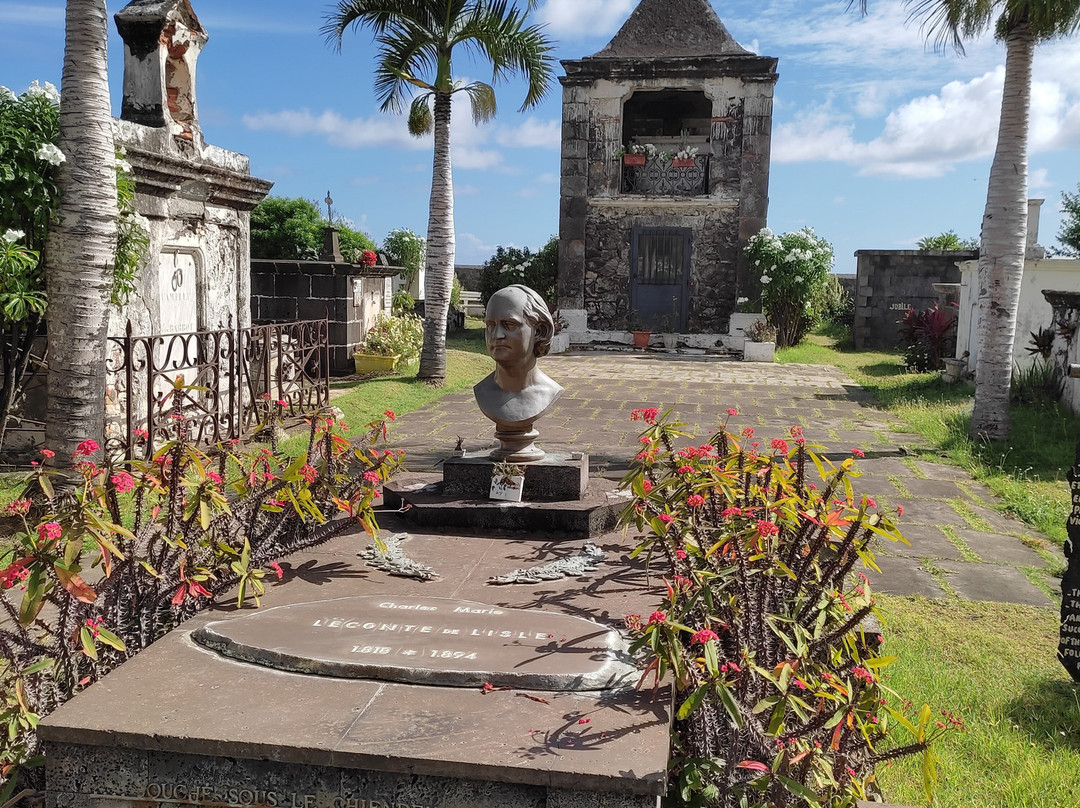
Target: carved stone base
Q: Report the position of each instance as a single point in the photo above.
(554, 477)
(517, 446)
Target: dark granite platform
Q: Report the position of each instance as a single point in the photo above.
(182, 718)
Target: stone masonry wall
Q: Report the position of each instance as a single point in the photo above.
(713, 263)
(348, 295)
(888, 282)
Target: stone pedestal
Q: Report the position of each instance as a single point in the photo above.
(557, 477)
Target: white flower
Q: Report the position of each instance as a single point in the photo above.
(6, 94)
(742, 300)
(50, 154)
(798, 279)
(49, 91)
(765, 279)
(123, 165)
(11, 236)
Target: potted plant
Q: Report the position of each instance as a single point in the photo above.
(641, 334)
(760, 344)
(670, 337)
(389, 340)
(685, 157)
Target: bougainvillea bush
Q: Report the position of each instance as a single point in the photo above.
(779, 692)
(94, 575)
(796, 289)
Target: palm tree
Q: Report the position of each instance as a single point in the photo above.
(1020, 24)
(82, 239)
(416, 41)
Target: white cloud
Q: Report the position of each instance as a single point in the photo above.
(581, 19)
(471, 249)
(532, 133)
(929, 134)
(547, 177)
(1039, 179)
(27, 14)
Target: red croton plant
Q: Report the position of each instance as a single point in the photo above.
(780, 692)
(97, 573)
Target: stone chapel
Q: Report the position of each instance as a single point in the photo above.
(665, 173)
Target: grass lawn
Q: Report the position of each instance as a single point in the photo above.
(1027, 472)
(993, 665)
(467, 363)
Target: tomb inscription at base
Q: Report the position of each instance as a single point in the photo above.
(1069, 633)
(428, 640)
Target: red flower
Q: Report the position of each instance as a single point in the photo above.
(732, 412)
(584, 720)
(309, 473)
(9, 576)
(795, 432)
(390, 414)
(86, 448)
(19, 506)
(766, 528)
(141, 434)
(727, 513)
(680, 554)
(123, 481)
(276, 567)
(49, 530)
(860, 672)
(799, 683)
(368, 258)
(657, 617)
(748, 432)
(695, 500)
(684, 469)
(48, 453)
(372, 477)
(665, 518)
(646, 486)
(780, 445)
(631, 621)
(646, 414)
(214, 477)
(899, 510)
(858, 452)
(870, 502)
(703, 636)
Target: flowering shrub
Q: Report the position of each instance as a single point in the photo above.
(794, 270)
(399, 335)
(780, 693)
(404, 248)
(509, 265)
(165, 538)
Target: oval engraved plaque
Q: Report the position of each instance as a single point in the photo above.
(425, 640)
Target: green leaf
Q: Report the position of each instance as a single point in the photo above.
(111, 639)
(40, 665)
(204, 514)
(798, 789)
(879, 662)
(693, 701)
(87, 640)
(729, 704)
(929, 776)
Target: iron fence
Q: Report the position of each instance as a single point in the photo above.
(661, 176)
(227, 377)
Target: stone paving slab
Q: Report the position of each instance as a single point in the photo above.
(974, 581)
(602, 389)
(1000, 548)
(900, 576)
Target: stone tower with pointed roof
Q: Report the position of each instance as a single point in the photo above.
(665, 173)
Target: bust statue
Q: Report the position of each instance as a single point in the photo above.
(518, 330)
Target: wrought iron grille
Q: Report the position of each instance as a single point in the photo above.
(660, 177)
(229, 373)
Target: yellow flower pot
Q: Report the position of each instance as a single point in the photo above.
(374, 363)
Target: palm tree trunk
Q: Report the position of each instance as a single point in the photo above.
(82, 241)
(1004, 238)
(440, 249)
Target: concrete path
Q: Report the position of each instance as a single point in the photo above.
(960, 545)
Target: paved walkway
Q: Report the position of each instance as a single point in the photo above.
(960, 544)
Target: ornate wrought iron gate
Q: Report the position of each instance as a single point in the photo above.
(229, 374)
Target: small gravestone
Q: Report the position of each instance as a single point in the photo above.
(1069, 636)
(428, 640)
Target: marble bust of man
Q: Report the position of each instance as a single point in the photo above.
(518, 330)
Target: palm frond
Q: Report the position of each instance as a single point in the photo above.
(1048, 19)
(482, 99)
(947, 22)
(420, 120)
(373, 14)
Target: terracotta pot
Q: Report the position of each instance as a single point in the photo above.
(633, 159)
(641, 338)
(374, 363)
(683, 162)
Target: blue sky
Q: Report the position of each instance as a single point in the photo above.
(878, 140)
